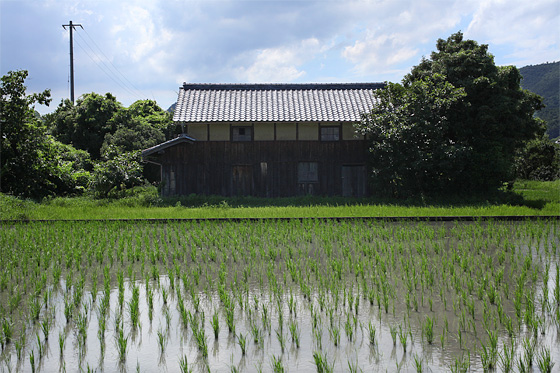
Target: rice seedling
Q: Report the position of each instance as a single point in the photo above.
(507, 357)
(276, 364)
(461, 365)
(556, 290)
(150, 296)
(349, 328)
(32, 360)
(215, 324)
(242, 341)
(334, 332)
(521, 364)
(184, 365)
(428, 329)
(35, 308)
(403, 336)
(230, 321)
(201, 341)
(40, 347)
(281, 339)
(162, 340)
(321, 362)
(393, 332)
(418, 363)
(164, 295)
(372, 331)
(352, 366)
(81, 328)
(61, 341)
(544, 361)
(7, 330)
(120, 280)
(121, 343)
(102, 324)
(20, 345)
(489, 355)
(45, 327)
(134, 307)
(294, 332)
(291, 303)
(529, 346)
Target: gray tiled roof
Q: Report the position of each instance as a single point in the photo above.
(342, 102)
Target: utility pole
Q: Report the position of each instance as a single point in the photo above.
(71, 28)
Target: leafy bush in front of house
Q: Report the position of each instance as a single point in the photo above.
(112, 177)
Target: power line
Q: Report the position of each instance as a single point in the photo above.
(111, 62)
(130, 88)
(108, 74)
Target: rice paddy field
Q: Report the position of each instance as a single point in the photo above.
(280, 295)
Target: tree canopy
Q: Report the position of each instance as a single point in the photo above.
(33, 163)
(85, 124)
(93, 145)
(454, 125)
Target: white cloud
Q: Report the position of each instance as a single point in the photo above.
(279, 64)
(527, 29)
(378, 51)
(136, 35)
(397, 33)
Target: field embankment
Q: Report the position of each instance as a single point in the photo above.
(528, 198)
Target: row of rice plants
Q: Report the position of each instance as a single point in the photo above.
(281, 294)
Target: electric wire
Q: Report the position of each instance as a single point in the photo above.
(112, 64)
(108, 75)
(114, 77)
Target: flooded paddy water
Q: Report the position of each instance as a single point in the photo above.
(297, 296)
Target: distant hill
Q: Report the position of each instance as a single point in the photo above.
(172, 108)
(544, 80)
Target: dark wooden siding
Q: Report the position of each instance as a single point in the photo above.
(261, 168)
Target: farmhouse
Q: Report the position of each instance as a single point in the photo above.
(269, 140)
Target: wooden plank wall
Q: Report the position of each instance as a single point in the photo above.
(230, 168)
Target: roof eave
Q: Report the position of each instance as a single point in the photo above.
(182, 138)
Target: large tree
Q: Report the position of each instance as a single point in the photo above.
(33, 163)
(461, 134)
(85, 124)
(142, 125)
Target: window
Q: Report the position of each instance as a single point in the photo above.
(308, 172)
(330, 133)
(241, 134)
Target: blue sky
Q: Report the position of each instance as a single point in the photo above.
(146, 49)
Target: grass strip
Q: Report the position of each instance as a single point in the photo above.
(528, 199)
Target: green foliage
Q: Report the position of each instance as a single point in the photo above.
(544, 80)
(85, 124)
(462, 143)
(137, 134)
(539, 160)
(34, 164)
(105, 129)
(140, 126)
(112, 177)
(409, 136)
